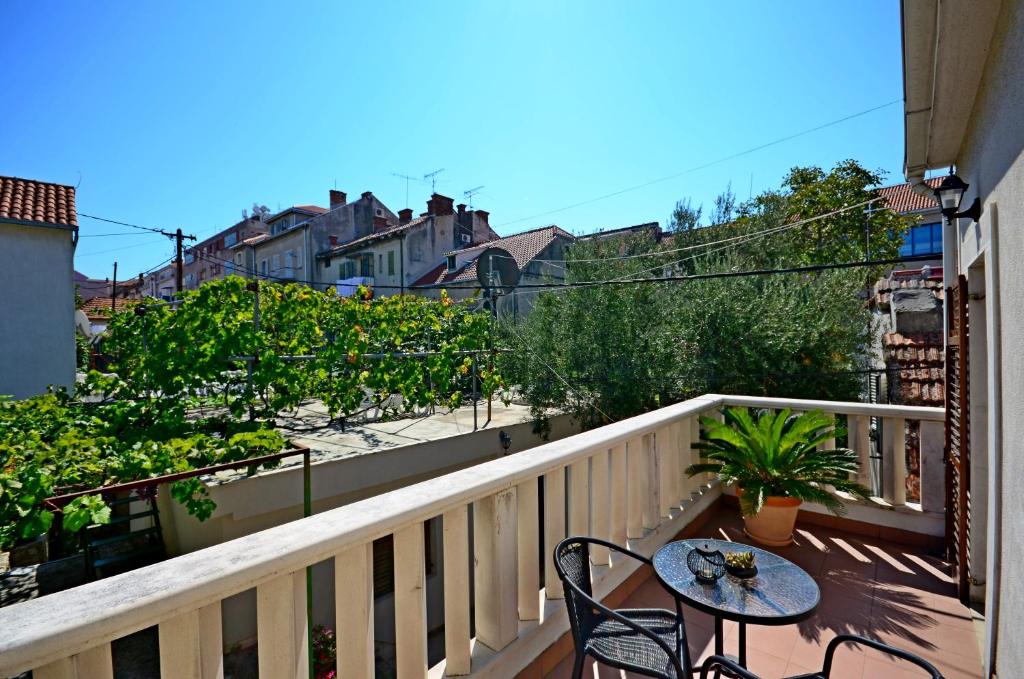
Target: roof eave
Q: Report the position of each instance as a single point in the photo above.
(944, 53)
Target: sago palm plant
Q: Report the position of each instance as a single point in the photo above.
(776, 455)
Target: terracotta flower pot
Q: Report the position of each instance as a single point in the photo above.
(773, 525)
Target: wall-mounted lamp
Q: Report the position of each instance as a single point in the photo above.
(505, 439)
(950, 193)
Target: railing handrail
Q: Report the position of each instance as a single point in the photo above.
(40, 631)
(57, 626)
(843, 407)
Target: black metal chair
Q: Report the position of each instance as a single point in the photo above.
(730, 668)
(650, 641)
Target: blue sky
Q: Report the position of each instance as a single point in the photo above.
(168, 115)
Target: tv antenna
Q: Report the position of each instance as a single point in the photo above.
(469, 193)
(406, 178)
(432, 176)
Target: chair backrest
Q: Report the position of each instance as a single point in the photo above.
(572, 563)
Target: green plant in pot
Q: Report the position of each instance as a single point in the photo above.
(774, 461)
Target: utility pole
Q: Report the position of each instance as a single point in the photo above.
(178, 236)
(113, 291)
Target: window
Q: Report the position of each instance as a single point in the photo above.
(925, 239)
(366, 266)
(230, 239)
(289, 259)
(347, 269)
(263, 267)
(380, 263)
(391, 262)
(451, 263)
(275, 263)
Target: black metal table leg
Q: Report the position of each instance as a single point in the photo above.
(719, 637)
(743, 644)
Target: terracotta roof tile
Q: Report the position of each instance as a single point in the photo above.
(383, 234)
(917, 363)
(524, 247)
(884, 288)
(28, 200)
(99, 307)
(901, 198)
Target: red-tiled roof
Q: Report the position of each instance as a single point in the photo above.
(312, 208)
(383, 234)
(884, 288)
(918, 368)
(252, 240)
(524, 247)
(99, 307)
(901, 198)
(28, 200)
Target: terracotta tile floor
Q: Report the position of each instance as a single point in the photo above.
(899, 595)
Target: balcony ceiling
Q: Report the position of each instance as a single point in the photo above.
(945, 47)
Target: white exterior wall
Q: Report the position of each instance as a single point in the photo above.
(990, 254)
(37, 309)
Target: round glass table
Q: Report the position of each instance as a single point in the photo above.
(780, 594)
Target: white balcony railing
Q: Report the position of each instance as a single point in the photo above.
(623, 482)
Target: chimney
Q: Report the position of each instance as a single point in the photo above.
(334, 239)
(338, 198)
(482, 215)
(380, 223)
(462, 208)
(367, 194)
(405, 215)
(439, 205)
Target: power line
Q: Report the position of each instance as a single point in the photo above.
(703, 166)
(114, 221)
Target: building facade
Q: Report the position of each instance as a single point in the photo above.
(393, 255)
(213, 258)
(38, 234)
(963, 67)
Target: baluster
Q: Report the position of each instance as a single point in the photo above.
(353, 610)
(281, 627)
(599, 506)
(618, 485)
(528, 538)
(860, 441)
(898, 460)
(666, 470)
(93, 663)
(494, 545)
(652, 515)
(179, 646)
(637, 488)
(933, 469)
(456, 590)
(554, 528)
(697, 482)
(410, 603)
(579, 498)
(676, 441)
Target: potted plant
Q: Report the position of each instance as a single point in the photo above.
(774, 461)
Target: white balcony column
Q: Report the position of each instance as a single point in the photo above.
(554, 528)
(897, 430)
(618, 485)
(676, 440)
(496, 592)
(685, 458)
(666, 470)
(599, 522)
(410, 603)
(456, 591)
(860, 441)
(652, 514)
(191, 646)
(697, 482)
(829, 443)
(579, 497)
(281, 627)
(94, 663)
(353, 611)
(932, 437)
(528, 540)
(637, 488)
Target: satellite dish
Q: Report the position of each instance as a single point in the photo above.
(496, 270)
